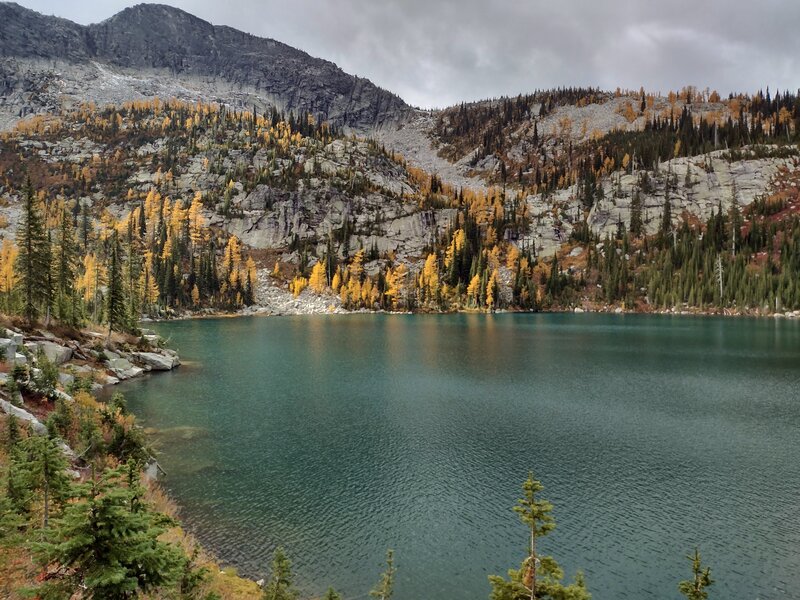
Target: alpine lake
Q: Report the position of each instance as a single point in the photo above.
(338, 437)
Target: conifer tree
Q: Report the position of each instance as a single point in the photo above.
(33, 259)
(66, 267)
(280, 580)
(636, 226)
(86, 226)
(107, 544)
(385, 587)
(695, 588)
(319, 278)
(666, 218)
(45, 470)
(539, 577)
(116, 305)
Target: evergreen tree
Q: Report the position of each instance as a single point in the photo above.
(539, 577)
(66, 266)
(280, 581)
(636, 226)
(666, 217)
(107, 544)
(86, 226)
(33, 261)
(332, 594)
(44, 469)
(116, 305)
(385, 587)
(695, 589)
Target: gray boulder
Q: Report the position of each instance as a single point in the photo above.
(8, 349)
(123, 368)
(14, 337)
(156, 362)
(55, 353)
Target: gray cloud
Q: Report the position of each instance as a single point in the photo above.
(439, 52)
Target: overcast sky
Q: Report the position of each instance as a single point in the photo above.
(435, 53)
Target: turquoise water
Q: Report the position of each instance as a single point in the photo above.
(340, 437)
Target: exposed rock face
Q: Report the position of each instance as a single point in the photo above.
(272, 218)
(713, 182)
(152, 38)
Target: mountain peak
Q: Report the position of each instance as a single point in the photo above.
(154, 13)
(147, 36)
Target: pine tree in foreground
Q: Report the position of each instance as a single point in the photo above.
(332, 594)
(106, 543)
(539, 577)
(695, 589)
(385, 587)
(44, 470)
(280, 581)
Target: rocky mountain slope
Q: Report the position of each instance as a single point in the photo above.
(152, 49)
(272, 187)
(496, 180)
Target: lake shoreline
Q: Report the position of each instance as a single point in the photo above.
(255, 311)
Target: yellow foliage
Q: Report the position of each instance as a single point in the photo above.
(396, 282)
(512, 257)
(490, 299)
(319, 277)
(429, 277)
(8, 254)
(456, 245)
(196, 219)
(473, 289)
(357, 266)
(93, 277)
(491, 236)
(297, 285)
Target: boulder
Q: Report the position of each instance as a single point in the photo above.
(23, 415)
(55, 353)
(157, 362)
(14, 337)
(123, 369)
(9, 349)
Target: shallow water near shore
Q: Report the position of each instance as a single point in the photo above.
(338, 437)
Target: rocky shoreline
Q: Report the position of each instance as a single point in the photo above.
(54, 367)
(275, 301)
